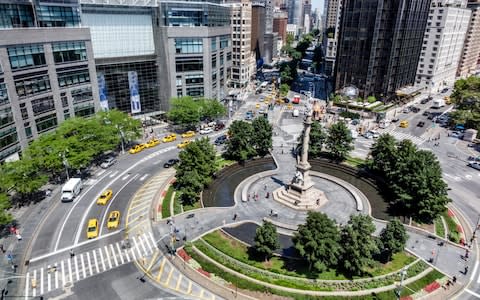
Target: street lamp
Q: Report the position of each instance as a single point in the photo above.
(65, 162)
(122, 137)
(398, 291)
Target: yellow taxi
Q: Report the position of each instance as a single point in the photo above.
(169, 138)
(183, 144)
(113, 219)
(104, 197)
(257, 105)
(188, 134)
(447, 100)
(137, 148)
(152, 143)
(404, 124)
(290, 106)
(92, 229)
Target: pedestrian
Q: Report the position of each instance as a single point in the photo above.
(265, 187)
(268, 195)
(454, 279)
(72, 254)
(234, 217)
(257, 196)
(466, 270)
(248, 197)
(271, 212)
(2, 249)
(466, 253)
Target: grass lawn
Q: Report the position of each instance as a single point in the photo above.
(354, 161)
(221, 163)
(453, 234)
(291, 267)
(191, 207)
(166, 203)
(439, 228)
(422, 282)
(177, 204)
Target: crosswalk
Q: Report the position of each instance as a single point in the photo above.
(404, 136)
(111, 174)
(64, 273)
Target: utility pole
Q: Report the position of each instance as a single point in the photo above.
(398, 290)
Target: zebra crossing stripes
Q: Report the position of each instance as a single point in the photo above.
(56, 275)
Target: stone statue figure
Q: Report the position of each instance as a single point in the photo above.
(298, 177)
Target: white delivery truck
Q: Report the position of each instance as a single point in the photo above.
(71, 189)
(438, 103)
(295, 113)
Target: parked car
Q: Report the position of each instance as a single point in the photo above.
(219, 126)
(137, 148)
(426, 113)
(206, 130)
(421, 124)
(474, 165)
(152, 143)
(415, 109)
(220, 140)
(109, 161)
(171, 162)
(425, 101)
(456, 134)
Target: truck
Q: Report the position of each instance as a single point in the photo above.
(296, 99)
(438, 103)
(295, 113)
(71, 189)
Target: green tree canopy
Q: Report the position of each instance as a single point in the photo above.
(358, 244)
(284, 88)
(466, 96)
(383, 154)
(239, 145)
(23, 176)
(318, 137)
(339, 140)
(187, 111)
(318, 241)
(5, 217)
(393, 238)
(266, 239)
(262, 139)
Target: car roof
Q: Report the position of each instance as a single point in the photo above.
(115, 212)
(92, 222)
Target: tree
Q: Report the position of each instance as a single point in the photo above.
(266, 239)
(383, 155)
(318, 241)
(185, 111)
(24, 177)
(466, 96)
(318, 136)
(358, 245)
(286, 74)
(393, 238)
(5, 217)
(239, 144)
(339, 140)
(284, 88)
(211, 109)
(262, 139)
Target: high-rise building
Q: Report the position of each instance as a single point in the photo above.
(331, 35)
(280, 21)
(469, 60)
(243, 59)
(379, 45)
(264, 39)
(332, 12)
(307, 14)
(295, 12)
(47, 71)
(442, 45)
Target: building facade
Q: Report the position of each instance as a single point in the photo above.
(379, 45)
(442, 45)
(194, 48)
(47, 71)
(470, 58)
(280, 21)
(243, 59)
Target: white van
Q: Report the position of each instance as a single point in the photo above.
(71, 189)
(295, 113)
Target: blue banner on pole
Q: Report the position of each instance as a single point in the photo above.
(102, 90)
(134, 95)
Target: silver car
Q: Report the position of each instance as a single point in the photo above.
(474, 165)
(108, 162)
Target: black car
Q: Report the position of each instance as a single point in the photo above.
(421, 124)
(220, 140)
(426, 113)
(219, 126)
(415, 109)
(424, 101)
(171, 162)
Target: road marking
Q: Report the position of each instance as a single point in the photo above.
(108, 257)
(56, 276)
(121, 253)
(84, 271)
(139, 208)
(472, 293)
(114, 255)
(143, 245)
(169, 276)
(111, 201)
(27, 285)
(126, 254)
(41, 281)
(89, 264)
(113, 174)
(143, 177)
(49, 284)
(142, 204)
(77, 273)
(101, 257)
(77, 201)
(148, 243)
(189, 290)
(99, 173)
(70, 275)
(34, 292)
(78, 245)
(137, 224)
(468, 177)
(160, 270)
(179, 280)
(132, 249)
(96, 261)
(62, 266)
(137, 247)
(125, 177)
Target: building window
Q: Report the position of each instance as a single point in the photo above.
(224, 41)
(28, 132)
(178, 81)
(213, 44)
(47, 122)
(42, 105)
(70, 78)
(194, 79)
(33, 85)
(214, 77)
(214, 61)
(84, 110)
(195, 91)
(6, 117)
(58, 16)
(229, 56)
(8, 138)
(179, 93)
(64, 98)
(188, 46)
(26, 56)
(82, 95)
(189, 64)
(3, 94)
(16, 15)
(69, 51)
(221, 59)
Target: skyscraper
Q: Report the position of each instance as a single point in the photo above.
(379, 44)
(469, 61)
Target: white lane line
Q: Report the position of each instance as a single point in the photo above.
(49, 283)
(34, 292)
(125, 177)
(101, 257)
(89, 264)
(99, 173)
(77, 273)
(140, 240)
(147, 242)
(41, 281)
(143, 177)
(76, 202)
(475, 270)
(472, 293)
(113, 174)
(132, 249)
(111, 201)
(121, 253)
(70, 275)
(114, 255)
(150, 234)
(137, 247)
(56, 276)
(62, 266)
(27, 285)
(96, 261)
(126, 254)
(84, 271)
(78, 245)
(108, 257)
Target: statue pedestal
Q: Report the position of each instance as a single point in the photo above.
(300, 196)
